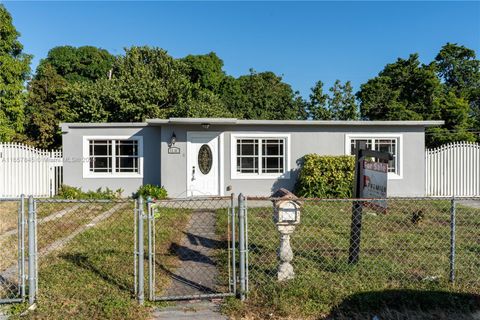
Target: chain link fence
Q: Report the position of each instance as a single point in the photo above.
(12, 250)
(84, 250)
(190, 248)
(89, 253)
(416, 243)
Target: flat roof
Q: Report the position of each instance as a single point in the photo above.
(234, 121)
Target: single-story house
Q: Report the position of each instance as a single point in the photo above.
(217, 156)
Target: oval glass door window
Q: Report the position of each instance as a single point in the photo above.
(205, 159)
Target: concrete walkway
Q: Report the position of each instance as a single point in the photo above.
(472, 203)
(197, 272)
(191, 311)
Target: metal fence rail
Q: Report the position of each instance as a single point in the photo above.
(223, 246)
(190, 249)
(12, 250)
(417, 243)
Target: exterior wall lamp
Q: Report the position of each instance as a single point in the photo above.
(173, 139)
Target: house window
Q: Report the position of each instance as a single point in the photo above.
(112, 157)
(257, 156)
(383, 144)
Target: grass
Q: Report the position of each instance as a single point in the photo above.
(405, 249)
(90, 276)
(403, 268)
(170, 222)
(8, 215)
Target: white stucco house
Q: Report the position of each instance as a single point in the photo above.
(195, 156)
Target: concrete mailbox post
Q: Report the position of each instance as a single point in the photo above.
(286, 216)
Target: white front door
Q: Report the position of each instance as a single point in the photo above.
(202, 164)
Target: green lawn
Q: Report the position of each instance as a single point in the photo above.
(403, 267)
(405, 249)
(91, 276)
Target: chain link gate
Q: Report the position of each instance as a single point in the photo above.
(192, 251)
(12, 250)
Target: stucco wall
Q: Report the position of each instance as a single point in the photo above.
(169, 170)
(72, 142)
(326, 140)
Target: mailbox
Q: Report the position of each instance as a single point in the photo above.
(286, 215)
(287, 212)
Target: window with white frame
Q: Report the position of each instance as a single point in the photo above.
(380, 143)
(112, 157)
(256, 156)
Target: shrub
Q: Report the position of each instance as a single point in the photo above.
(68, 192)
(326, 176)
(152, 191)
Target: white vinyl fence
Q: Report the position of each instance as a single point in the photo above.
(29, 171)
(453, 170)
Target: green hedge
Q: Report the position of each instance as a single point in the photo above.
(326, 176)
(68, 192)
(152, 191)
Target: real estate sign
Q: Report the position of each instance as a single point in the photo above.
(375, 177)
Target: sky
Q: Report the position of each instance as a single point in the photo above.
(302, 41)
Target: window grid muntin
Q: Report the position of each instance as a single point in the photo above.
(261, 156)
(280, 156)
(119, 158)
(114, 157)
(96, 156)
(242, 144)
(374, 144)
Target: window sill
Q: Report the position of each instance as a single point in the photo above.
(282, 176)
(112, 176)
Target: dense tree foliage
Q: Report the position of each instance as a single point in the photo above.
(14, 70)
(85, 63)
(261, 95)
(87, 84)
(317, 105)
(409, 90)
(205, 70)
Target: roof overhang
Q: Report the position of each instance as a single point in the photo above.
(218, 121)
(234, 121)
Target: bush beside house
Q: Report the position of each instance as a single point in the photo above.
(152, 191)
(68, 192)
(326, 176)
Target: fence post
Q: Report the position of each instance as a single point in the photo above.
(141, 288)
(234, 240)
(22, 246)
(150, 249)
(31, 252)
(357, 207)
(241, 244)
(453, 209)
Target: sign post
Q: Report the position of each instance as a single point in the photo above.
(370, 182)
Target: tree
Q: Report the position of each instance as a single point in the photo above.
(206, 70)
(317, 105)
(341, 103)
(261, 95)
(409, 90)
(56, 91)
(455, 112)
(46, 107)
(85, 63)
(14, 71)
(145, 83)
(458, 67)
